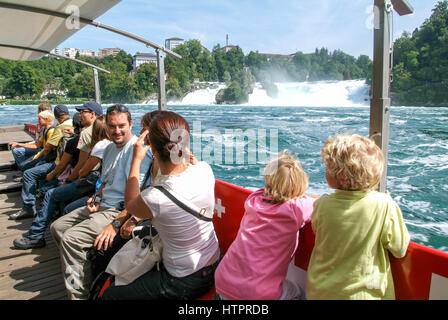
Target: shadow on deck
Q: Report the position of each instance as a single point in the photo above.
(24, 274)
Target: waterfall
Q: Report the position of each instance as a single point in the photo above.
(319, 93)
(202, 96)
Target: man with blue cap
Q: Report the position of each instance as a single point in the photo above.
(88, 112)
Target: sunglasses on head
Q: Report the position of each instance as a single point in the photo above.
(118, 108)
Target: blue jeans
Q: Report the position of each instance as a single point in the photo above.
(81, 202)
(160, 285)
(31, 179)
(54, 198)
(23, 158)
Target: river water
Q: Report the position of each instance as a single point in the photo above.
(418, 153)
(224, 137)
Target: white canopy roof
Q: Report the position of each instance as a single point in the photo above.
(40, 31)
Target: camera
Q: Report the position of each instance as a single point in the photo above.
(95, 200)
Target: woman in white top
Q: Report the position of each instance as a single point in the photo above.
(190, 246)
(100, 140)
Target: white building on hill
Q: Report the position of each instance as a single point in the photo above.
(86, 53)
(140, 58)
(172, 43)
(70, 52)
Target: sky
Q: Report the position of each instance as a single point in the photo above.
(266, 26)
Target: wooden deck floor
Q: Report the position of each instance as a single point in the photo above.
(24, 274)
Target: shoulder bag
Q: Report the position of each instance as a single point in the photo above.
(137, 256)
(144, 250)
(87, 185)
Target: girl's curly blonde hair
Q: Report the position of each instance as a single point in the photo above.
(284, 178)
(356, 162)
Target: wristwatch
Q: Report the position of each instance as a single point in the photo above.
(116, 224)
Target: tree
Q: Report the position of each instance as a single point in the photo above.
(173, 89)
(25, 82)
(363, 62)
(84, 85)
(146, 79)
(420, 62)
(226, 77)
(255, 60)
(67, 82)
(232, 94)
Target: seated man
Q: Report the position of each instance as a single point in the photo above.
(32, 176)
(76, 232)
(89, 112)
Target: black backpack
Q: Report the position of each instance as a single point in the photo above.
(59, 150)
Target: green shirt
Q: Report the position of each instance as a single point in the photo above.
(354, 232)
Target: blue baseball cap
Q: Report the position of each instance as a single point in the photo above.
(92, 106)
(60, 110)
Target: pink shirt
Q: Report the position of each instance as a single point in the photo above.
(257, 261)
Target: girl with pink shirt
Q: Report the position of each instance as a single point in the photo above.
(256, 264)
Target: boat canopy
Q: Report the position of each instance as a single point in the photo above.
(33, 29)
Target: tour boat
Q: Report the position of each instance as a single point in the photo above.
(421, 274)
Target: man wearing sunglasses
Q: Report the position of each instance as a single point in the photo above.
(76, 232)
(88, 112)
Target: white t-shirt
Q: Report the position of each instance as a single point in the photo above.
(115, 171)
(99, 147)
(188, 243)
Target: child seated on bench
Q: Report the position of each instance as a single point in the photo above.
(256, 264)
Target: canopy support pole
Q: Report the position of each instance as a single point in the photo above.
(161, 80)
(97, 86)
(380, 102)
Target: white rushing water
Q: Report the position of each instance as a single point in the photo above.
(307, 94)
(203, 96)
(302, 94)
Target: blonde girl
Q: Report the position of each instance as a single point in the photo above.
(256, 264)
